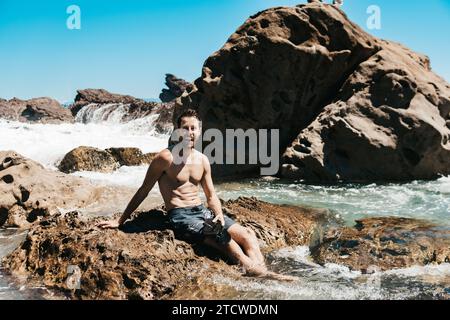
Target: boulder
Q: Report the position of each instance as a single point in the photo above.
(94, 159)
(88, 159)
(348, 106)
(144, 260)
(384, 243)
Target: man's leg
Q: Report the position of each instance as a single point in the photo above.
(246, 238)
(234, 251)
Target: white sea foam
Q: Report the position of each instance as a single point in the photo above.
(124, 176)
(48, 143)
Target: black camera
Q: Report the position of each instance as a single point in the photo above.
(216, 230)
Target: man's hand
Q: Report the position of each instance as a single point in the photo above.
(111, 224)
(220, 218)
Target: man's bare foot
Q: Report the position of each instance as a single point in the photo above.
(260, 271)
(256, 271)
(280, 277)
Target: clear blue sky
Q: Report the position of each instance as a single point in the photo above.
(126, 46)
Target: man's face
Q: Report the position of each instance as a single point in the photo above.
(191, 125)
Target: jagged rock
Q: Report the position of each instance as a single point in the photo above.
(176, 88)
(101, 96)
(41, 110)
(98, 98)
(96, 105)
(144, 260)
(348, 106)
(29, 192)
(385, 243)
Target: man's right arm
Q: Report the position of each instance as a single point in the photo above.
(154, 172)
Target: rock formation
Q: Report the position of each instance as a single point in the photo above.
(176, 87)
(144, 260)
(348, 106)
(96, 98)
(101, 105)
(94, 159)
(29, 192)
(385, 243)
(41, 110)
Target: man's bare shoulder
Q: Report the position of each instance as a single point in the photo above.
(163, 158)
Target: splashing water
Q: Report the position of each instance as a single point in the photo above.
(48, 143)
(337, 282)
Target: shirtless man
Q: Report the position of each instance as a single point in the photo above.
(179, 186)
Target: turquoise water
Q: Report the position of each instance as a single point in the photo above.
(429, 200)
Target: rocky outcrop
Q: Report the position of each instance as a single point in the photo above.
(385, 243)
(95, 99)
(348, 106)
(40, 110)
(386, 123)
(144, 260)
(29, 192)
(101, 96)
(98, 105)
(94, 159)
(176, 87)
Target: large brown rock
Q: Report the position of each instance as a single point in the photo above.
(145, 261)
(29, 192)
(94, 159)
(388, 122)
(385, 243)
(348, 106)
(41, 110)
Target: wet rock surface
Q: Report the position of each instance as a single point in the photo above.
(385, 243)
(144, 260)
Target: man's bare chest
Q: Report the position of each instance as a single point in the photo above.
(181, 174)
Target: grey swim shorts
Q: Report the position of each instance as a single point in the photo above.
(187, 223)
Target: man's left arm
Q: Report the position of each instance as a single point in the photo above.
(211, 196)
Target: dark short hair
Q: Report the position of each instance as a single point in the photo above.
(187, 113)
